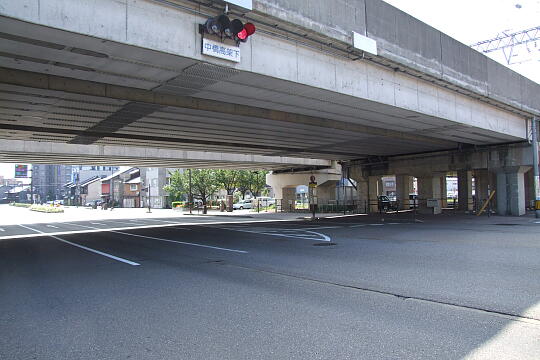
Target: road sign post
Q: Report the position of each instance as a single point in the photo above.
(312, 195)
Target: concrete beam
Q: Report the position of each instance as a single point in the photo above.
(70, 85)
(59, 153)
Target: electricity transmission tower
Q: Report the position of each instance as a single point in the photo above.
(511, 43)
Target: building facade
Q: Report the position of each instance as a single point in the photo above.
(49, 180)
(153, 181)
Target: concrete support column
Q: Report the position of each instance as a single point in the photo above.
(362, 194)
(511, 191)
(429, 187)
(481, 185)
(444, 197)
(465, 200)
(375, 188)
(403, 189)
(288, 199)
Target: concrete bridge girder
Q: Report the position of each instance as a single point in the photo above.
(297, 78)
(326, 183)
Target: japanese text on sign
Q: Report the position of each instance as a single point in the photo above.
(220, 50)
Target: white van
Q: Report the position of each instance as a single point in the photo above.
(243, 204)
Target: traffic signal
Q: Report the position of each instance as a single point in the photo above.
(222, 26)
(247, 31)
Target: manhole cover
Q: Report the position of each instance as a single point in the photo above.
(325, 244)
(507, 224)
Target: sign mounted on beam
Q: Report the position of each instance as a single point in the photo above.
(220, 50)
(246, 4)
(364, 43)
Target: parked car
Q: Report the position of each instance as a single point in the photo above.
(243, 204)
(93, 203)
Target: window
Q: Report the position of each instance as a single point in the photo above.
(133, 187)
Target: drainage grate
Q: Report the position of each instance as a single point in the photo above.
(325, 244)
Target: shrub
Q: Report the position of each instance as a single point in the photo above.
(47, 209)
(178, 204)
(20, 205)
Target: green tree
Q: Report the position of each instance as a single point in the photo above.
(176, 188)
(252, 181)
(257, 182)
(203, 184)
(243, 182)
(228, 179)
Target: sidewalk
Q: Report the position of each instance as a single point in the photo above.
(11, 215)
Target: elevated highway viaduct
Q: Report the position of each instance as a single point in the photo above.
(126, 81)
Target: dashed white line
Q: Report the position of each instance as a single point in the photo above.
(85, 248)
(2, 230)
(98, 224)
(52, 226)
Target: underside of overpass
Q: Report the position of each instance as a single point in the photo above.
(67, 88)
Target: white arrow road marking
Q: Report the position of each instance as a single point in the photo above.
(288, 233)
(85, 248)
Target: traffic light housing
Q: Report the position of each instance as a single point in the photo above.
(222, 26)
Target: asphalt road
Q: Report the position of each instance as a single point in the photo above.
(348, 288)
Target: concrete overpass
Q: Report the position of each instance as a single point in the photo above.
(126, 74)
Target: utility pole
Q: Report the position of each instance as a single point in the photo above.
(190, 197)
(535, 166)
(32, 185)
(149, 204)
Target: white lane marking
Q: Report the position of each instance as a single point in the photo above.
(179, 225)
(537, 222)
(2, 230)
(359, 225)
(167, 221)
(85, 248)
(375, 224)
(98, 224)
(290, 234)
(171, 241)
(321, 227)
(325, 237)
(52, 226)
(125, 222)
(182, 242)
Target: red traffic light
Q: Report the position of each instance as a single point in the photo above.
(221, 25)
(248, 30)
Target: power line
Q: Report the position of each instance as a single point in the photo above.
(509, 42)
